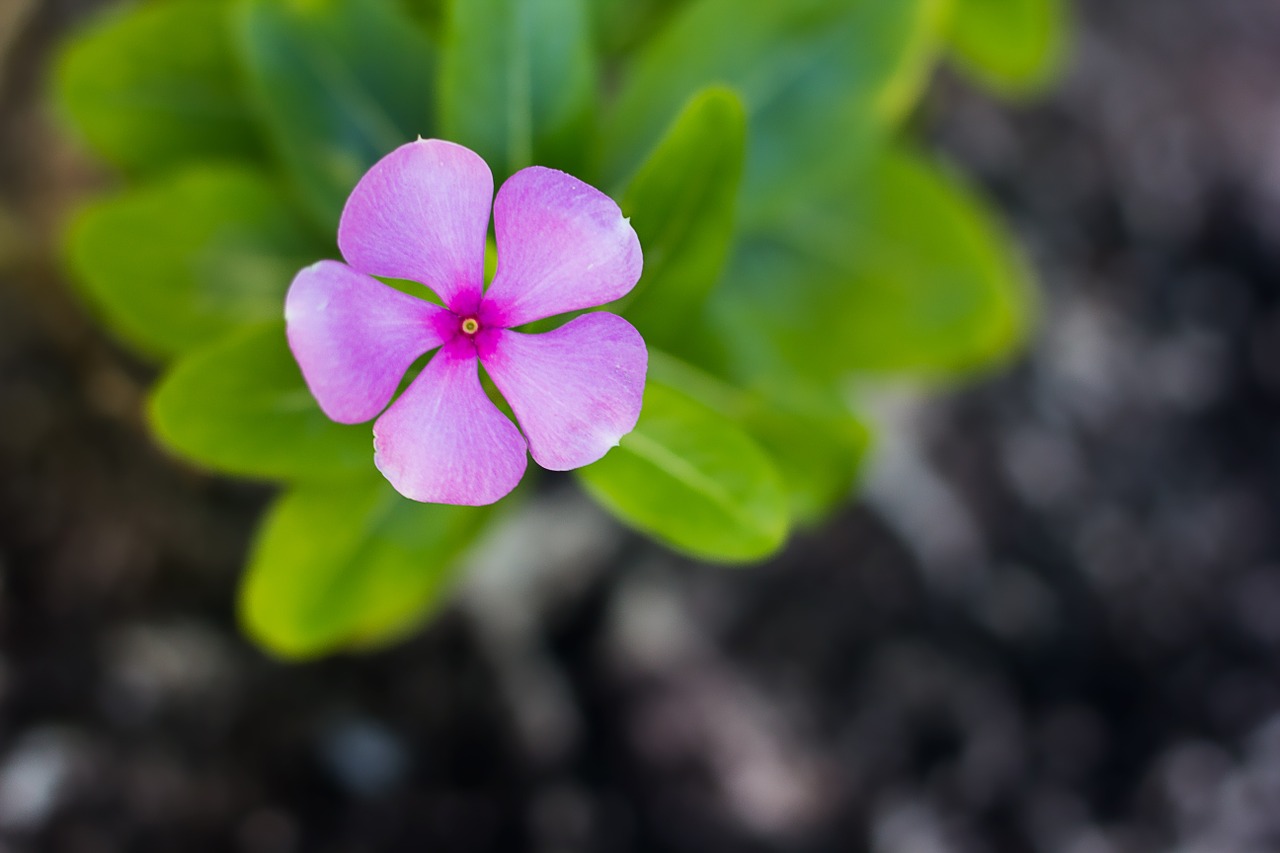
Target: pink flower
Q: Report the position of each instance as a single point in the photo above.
(422, 213)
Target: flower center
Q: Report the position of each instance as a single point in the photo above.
(470, 326)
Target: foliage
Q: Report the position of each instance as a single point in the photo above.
(792, 239)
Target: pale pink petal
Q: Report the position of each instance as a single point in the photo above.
(422, 213)
(443, 441)
(354, 337)
(562, 245)
(575, 390)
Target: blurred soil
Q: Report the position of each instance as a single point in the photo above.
(1052, 626)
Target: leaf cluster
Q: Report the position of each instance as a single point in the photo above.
(793, 239)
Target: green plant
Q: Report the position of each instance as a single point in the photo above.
(793, 237)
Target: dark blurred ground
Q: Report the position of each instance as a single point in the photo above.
(1053, 626)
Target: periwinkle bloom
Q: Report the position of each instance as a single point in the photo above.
(422, 213)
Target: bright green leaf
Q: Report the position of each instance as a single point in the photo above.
(517, 81)
(338, 84)
(1013, 46)
(151, 86)
(351, 564)
(814, 75)
(241, 407)
(175, 265)
(898, 268)
(817, 445)
(682, 204)
(690, 477)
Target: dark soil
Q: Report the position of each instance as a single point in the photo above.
(1052, 625)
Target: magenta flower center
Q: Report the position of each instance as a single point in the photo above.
(470, 326)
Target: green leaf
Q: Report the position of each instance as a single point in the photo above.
(621, 25)
(898, 268)
(813, 74)
(682, 204)
(428, 13)
(351, 564)
(175, 265)
(151, 86)
(690, 477)
(1013, 46)
(241, 407)
(338, 84)
(817, 445)
(517, 81)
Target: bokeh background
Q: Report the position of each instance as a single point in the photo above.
(1051, 625)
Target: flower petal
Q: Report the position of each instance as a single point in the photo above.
(575, 390)
(354, 337)
(443, 441)
(422, 213)
(562, 245)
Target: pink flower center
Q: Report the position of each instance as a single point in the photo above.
(470, 326)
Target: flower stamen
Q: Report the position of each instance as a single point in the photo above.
(470, 326)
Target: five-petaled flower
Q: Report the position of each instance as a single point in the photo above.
(422, 213)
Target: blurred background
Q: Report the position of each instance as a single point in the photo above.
(1052, 624)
